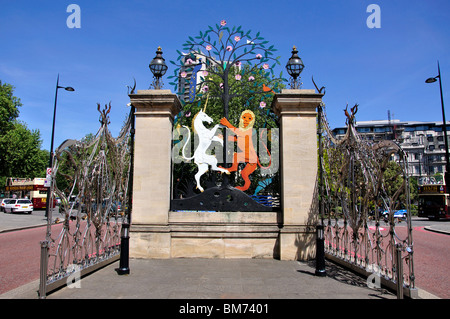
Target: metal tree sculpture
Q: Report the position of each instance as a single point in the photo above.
(91, 178)
(234, 71)
(228, 63)
(357, 190)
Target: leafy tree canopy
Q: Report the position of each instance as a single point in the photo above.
(9, 107)
(20, 148)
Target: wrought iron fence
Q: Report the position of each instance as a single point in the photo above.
(365, 183)
(90, 178)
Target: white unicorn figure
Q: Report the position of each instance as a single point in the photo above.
(206, 136)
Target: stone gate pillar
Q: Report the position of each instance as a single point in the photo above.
(298, 162)
(154, 113)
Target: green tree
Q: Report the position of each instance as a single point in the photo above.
(21, 153)
(20, 148)
(394, 180)
(9, 107)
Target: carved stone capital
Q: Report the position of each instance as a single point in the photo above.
(161, 103)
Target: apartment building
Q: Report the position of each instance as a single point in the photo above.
(194, 62)
(422, 141)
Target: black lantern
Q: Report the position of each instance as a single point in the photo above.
(295, 67)
(158, 68)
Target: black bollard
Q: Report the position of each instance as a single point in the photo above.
(320, 252)
(124, 268)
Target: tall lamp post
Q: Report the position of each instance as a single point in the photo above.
(444, 126)
(50, 162)
(45, 244)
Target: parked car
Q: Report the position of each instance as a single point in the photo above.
(401, 213)
(397, 214)
(18, 206)
(3, 203)
(9, 203)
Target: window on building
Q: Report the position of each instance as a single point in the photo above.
(363, 129)
(431, 147)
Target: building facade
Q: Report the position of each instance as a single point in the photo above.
(422, 141)
(197, 64)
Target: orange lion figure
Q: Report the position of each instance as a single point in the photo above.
(244, 141)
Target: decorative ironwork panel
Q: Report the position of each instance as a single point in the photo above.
(364, 184)
(225, 143)
(90, 177)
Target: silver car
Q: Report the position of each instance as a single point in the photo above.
(3, 203)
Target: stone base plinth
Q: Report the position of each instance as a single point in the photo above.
(208, 235)
(222, 235)
(297, 243)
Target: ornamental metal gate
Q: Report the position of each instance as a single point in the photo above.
(90, 177)
(364, 183)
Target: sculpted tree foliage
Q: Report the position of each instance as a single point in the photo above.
(232, 67)
(227, 72)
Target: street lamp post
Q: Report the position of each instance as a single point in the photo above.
(444, 126)
(45, 244)
(50, 162)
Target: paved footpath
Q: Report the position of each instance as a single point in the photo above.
(217, 279)
(214, 279)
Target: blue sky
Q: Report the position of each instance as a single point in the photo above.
(381, 68)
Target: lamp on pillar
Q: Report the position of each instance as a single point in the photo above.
(294, 67)
(444, 126)
(158, 68)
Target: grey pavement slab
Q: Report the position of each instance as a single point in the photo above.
(221, 279)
